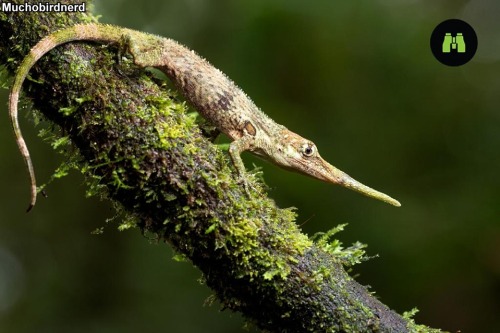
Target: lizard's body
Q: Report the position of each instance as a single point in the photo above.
(211, 92)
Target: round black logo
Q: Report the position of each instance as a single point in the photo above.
(453, 42)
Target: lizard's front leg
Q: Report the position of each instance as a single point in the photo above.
(235, 149)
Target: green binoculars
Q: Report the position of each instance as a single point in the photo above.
(453, 43)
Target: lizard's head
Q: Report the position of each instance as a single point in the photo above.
(299, 154)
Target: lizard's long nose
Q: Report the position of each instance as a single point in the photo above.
(331, 174)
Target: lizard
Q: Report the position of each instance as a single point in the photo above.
(216, 97)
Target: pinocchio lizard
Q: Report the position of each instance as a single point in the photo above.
(210, 91)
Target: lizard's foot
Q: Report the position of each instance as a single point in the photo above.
(246, 185)
(123, 48)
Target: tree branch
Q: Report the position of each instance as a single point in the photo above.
(137, 147)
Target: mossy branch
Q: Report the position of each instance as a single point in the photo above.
(136, 145)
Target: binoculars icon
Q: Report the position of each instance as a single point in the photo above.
(453, 43)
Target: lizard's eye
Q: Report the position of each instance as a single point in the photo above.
(308, 150)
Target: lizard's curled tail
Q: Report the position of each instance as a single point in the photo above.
(88, 32)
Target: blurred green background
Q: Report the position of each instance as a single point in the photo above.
(358, 78)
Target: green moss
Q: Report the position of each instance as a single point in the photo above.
(349, 256)
(413, 327)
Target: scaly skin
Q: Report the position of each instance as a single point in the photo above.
(212, 93)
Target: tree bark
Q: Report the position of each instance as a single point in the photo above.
(137, 147)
